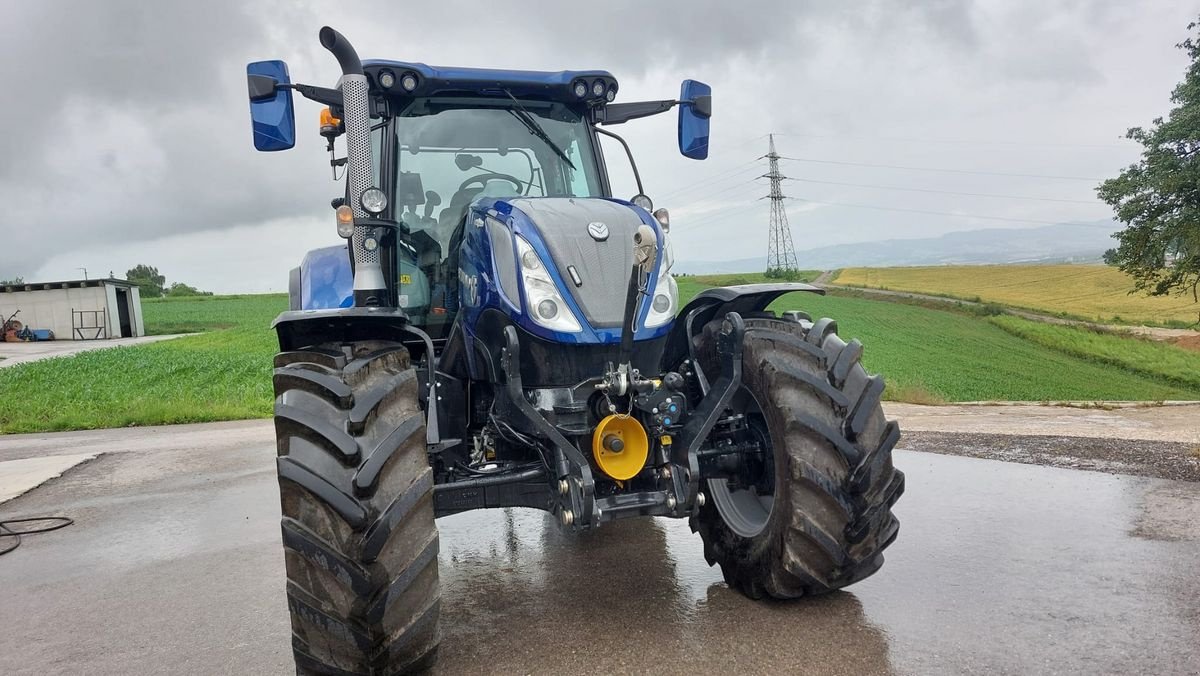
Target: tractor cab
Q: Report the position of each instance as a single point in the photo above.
(441, 153)
(443, 139)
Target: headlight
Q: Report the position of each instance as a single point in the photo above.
(664, 299)
(543, 302)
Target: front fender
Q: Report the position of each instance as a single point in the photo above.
(717, 302)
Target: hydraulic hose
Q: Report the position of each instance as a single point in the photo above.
(630, 319)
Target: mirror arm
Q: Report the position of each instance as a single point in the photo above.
(629, 153)
(618, 113)
(330, 97)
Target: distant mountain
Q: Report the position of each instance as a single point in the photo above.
(1065, 242)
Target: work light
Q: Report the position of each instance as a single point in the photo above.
(408, 82)
(580, 88)
(387, 79)
(373, 200)
(598, 88)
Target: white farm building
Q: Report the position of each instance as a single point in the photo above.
(86, 309)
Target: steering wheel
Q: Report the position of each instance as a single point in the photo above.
(482, 180)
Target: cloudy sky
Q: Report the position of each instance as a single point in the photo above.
(127, 137)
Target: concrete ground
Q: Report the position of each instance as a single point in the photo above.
(12, 354)
(21, 476)
(174, 565)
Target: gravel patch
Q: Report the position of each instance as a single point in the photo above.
(1158, 459)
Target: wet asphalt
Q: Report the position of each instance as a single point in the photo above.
(174, 566)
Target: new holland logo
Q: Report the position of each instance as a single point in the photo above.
(598, 231)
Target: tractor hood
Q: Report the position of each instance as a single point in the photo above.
(591, 244)
(587, 246)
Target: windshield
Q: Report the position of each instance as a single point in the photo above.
(449, 152)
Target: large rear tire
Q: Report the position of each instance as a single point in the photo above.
(820, 516)
(360, 544)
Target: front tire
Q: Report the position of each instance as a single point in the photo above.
(822, 521)
(360, 544)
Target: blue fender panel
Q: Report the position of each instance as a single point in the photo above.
(719, 301)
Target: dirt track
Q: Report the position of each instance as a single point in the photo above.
(1185, 338)
(1172, 423)
(1160, 441)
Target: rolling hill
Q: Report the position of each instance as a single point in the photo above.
(1065, 242)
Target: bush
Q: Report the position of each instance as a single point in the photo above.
(180, 289)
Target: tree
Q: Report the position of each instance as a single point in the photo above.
(181, 289)
(15, 281)
(782, 273)
(149, 282)
(1158, 198)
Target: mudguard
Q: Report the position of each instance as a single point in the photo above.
(717, 302)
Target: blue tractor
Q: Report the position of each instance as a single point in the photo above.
(499, 330)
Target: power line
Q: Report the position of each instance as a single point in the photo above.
(949, 192)
(707, 218)
(937, 169)
(905, 139)
(925, 211)
(724, 175)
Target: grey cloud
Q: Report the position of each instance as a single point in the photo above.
(132, 123)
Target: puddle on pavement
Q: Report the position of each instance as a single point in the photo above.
(999, 568)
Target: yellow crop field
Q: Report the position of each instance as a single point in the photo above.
(1094, 292)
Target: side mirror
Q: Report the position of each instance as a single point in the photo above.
(695, 109)
(272, 114)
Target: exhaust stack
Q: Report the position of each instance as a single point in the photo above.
(369, 284)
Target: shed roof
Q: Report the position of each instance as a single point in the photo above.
(68, 284)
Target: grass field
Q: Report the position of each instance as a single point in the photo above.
(221, 375)
(1092, 292)
(932, 356)
(1158, 360)
(747, 278)
(927, 355)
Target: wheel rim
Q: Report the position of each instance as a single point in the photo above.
(747, 509)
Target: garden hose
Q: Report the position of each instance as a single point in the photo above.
(8, 532)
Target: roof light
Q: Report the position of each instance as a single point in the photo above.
(409, 82)
(612, 94)
(598, 88)
(580, 88)
(387, 79)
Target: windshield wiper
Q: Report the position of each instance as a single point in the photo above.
(536, 129)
